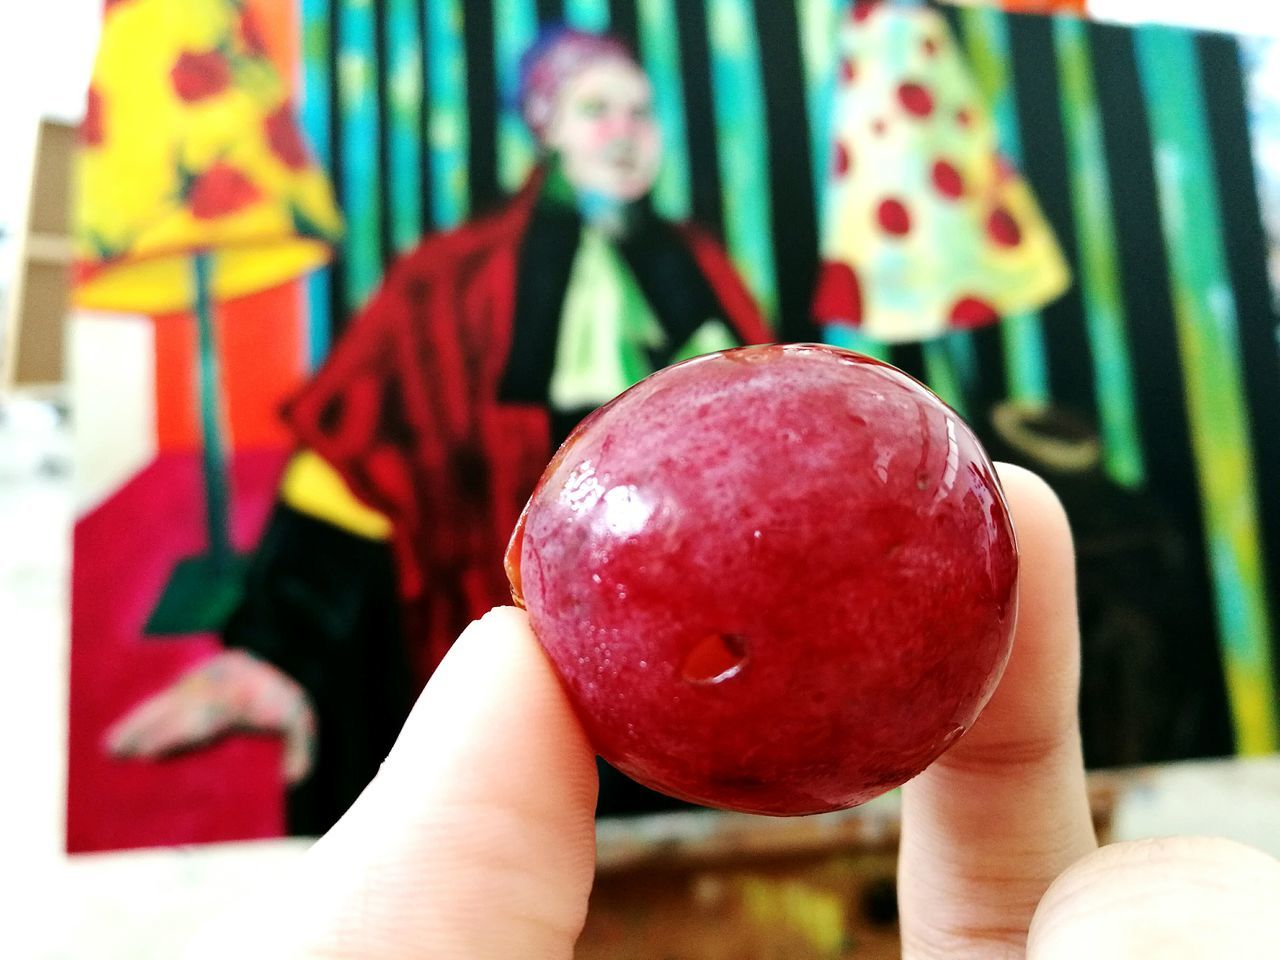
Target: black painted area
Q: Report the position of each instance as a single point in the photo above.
(624, 22)
(1035, 80)
(793, 216)
(700, 116)
(1160, 398)
(338, 313)
(386, 236)
(425, 168)
(482, 106)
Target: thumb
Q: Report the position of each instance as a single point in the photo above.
(1183, 898)
(476, 839)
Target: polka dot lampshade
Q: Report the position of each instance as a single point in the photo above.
(189, 145)
(928, 227)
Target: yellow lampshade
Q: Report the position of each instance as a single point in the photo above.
(189, 145)
(928, 228)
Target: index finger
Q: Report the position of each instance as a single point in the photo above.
(989, 826)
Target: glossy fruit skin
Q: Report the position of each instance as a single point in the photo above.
(826, 513)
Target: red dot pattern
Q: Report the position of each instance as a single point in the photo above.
(964, 118)
(973, 312)
(862, 9)
(947, 180)
(915, 99)
(839, 295)
(848, 71)
(842, 160)
(1005, 170)
(1003, 229)
(893, 217)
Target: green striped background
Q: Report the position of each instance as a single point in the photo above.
(391, 103)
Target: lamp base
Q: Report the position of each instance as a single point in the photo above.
(201, 594)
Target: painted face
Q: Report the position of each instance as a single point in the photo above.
(604, 132)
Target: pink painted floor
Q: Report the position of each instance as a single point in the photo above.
(123, 554)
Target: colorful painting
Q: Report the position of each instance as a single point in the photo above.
(381, 440)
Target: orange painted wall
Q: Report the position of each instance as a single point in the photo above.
(260, 337)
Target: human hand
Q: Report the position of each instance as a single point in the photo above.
(232, 691)
(476, 838)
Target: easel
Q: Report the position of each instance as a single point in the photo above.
(32, 355)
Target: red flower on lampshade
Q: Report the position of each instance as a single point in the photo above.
(284, 139)
(251, 34)
(1003, 228)
(198, 76)
(862, 9)
(219, 191)
(839, 294)
(91, 125)
(972, 312)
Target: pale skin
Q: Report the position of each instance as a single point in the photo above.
(604, 132)
(232, 691)
(476, 839)
(609, 146)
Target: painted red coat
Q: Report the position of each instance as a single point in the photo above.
(406, 408)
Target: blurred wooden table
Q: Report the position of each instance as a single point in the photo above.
(717, 886)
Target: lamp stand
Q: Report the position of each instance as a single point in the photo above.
(204, 590)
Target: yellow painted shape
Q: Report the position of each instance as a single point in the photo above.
(817, 915)
(312, 486)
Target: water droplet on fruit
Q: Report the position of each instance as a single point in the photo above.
(582, 490)
(754, 354)
(953, 464)
(595, 578)
(715, 658)
(625, 511)
(950, 736)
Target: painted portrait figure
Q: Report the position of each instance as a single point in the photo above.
(425, 431)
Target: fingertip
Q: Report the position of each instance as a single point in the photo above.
(1038, 514)
(496, 686)
(1193, 897)
(476, 837)
(1003, 812)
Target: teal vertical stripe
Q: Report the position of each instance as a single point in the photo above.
(449, 130)
(744, 161)
(1208, 340)
(851, 338)
(819, 25)
(1099, 264)
(361, 178)
(660, 51)
(986, 41)
(944, 374)
(515, 25)
(404, 121)
(590, 15)
(314, 104)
